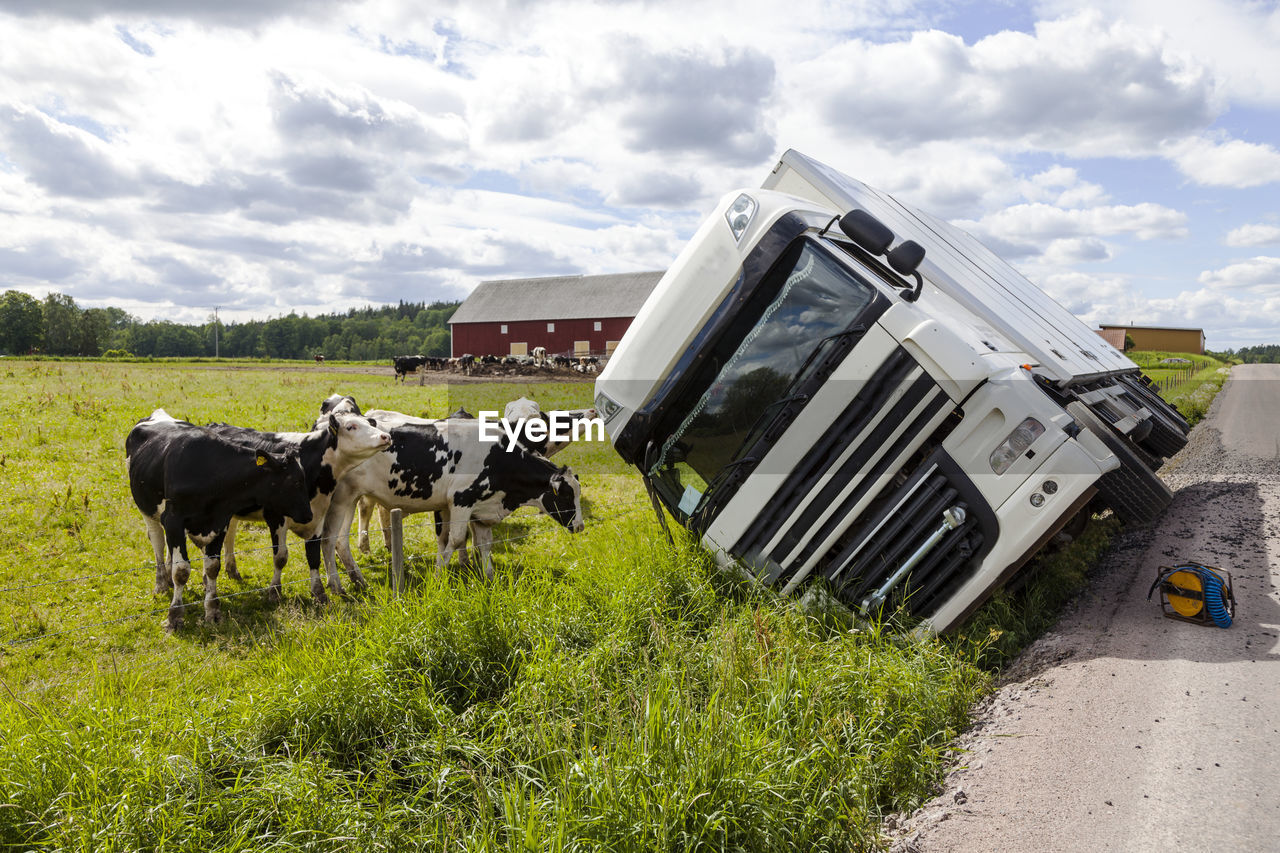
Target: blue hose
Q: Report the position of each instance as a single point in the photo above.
(1215, 597)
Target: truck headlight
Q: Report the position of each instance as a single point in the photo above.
(606, 407)
(1022, 437)
(739, 215)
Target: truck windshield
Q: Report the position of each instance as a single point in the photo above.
(748, 375)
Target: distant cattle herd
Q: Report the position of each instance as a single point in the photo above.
(196, 482)
(469, 364)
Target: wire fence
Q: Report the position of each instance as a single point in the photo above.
(1171, 379)
(628, 510)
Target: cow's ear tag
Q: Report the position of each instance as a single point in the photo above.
(261, 460)
(333, 430)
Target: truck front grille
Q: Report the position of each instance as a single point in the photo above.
(869, 491)
(904, 517)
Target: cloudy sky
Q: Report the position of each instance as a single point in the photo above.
(267, 156)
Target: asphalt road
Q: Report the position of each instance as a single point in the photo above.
(1123, 730)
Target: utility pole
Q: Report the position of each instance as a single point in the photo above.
(215, 332)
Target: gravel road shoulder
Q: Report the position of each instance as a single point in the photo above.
(1121, 729)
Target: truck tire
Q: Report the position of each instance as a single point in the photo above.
(1168, 425)
(1135, 494)
(1165, 439)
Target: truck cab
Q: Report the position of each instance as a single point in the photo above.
(818, 395)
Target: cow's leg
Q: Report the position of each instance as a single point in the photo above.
(366, 510)
(453, 533)
(155, 532)
(279, 556)
(442, 535)
(353, 571)
(229, 552)
(482, 537)
(314, 548)
(212, 563)
(180, 568)
(464, 556)
(384, 518)
(337, 531)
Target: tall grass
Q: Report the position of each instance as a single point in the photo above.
(628, 698)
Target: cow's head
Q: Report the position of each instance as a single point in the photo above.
(285, 483)
(563, 499)
(566, 420)
(356, 436)
(519, 413)
(337, 403)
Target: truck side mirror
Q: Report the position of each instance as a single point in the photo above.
(906, 257)
(867, 231)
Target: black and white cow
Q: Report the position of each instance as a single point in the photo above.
(188, 481)
(366, 505)
(406, 364)
(518, 415)
(340, 441)
(448, 468)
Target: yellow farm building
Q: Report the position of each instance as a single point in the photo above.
(1161, 339)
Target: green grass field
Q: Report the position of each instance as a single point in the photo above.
(1190, 387)
(607, 691)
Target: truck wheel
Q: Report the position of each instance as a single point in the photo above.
(1165, 439)
(1169, 429)
(1136, 495)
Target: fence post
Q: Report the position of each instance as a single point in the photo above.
(397, 552)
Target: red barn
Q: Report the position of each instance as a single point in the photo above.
(569, 315)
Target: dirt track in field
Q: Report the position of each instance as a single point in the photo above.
(431, 377)
(1122, 730)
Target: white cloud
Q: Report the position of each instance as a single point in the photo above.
(1041, 223)
(1235, 40)
(1256, 275)
(1256, 234)
(1233, 163)
(1080, 84)
(1068, 251)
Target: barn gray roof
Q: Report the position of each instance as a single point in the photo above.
(565, 297)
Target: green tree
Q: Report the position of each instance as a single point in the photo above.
(95, 331)
(436, 342)
(61, 324)
(21, 322)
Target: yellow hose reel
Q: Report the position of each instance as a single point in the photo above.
(1195, 593)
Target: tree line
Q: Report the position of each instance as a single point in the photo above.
(58, 326)
(1260, 354)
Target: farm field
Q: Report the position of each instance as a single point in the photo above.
(608, 690)
(1190, 385)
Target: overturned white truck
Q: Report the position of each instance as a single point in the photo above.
(828, 383)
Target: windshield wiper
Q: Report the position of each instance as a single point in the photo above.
(716, 482)
(822, 344)
(766, 419)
